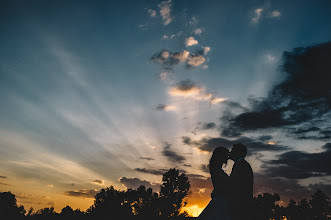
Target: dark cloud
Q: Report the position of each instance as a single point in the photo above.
(301, 165)
(161, 107)
(5, 184)
(85, 193)
(101, 182)
(146, 158)
(187, 165)
(186, 140)
(172, 155)
(234, 105)
(265, 138)
(4, 177)
(209, 144)
(134, 183)
(209, 125)
(205, 168)
(151, 171)
(286, 188)
(304, 96)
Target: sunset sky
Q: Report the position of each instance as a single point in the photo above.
(101, 93)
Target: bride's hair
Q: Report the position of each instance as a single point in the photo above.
(219, 158)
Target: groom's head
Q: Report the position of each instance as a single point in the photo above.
(238, 151)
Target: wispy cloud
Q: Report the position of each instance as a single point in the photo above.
(99, 182)
(172, 155)
(189, 89)
(162, 107)
(3, 177)
(151, 13)
(193, 21)
(165, 11)
(85, 193)
(206, 50)
(198, 31)
(275, 14)
(147, 158)
(258, 13)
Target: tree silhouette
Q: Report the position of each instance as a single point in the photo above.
(45, 213)
(110, 202)
(146, 202)
(173, 190)
(9, 207)
(320, 205)
(265, 206)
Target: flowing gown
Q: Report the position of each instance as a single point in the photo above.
(218, 207)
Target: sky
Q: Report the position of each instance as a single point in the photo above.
(101, 93)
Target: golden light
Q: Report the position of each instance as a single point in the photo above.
(193, 210)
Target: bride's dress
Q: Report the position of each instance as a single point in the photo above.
(218, 207)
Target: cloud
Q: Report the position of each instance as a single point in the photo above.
(193, 21)
(172, 155)
(258, 13)
(98, 182)
(160, 57)
(24, 196)
(206, 50)
(134, 183)
(187, 165)
(147, 158)
(151, 13)
(5, 184)
(50, 203)
(301, 165)
(195, 60)
(85, 193)
(275, 14)
(4, 177)
(190, 41)
(165, 12)
(205, 168)
(162, 107)
(216, 100)
(286, 188)
(189, 89)
(181, 56)
(270, 58)
(166, 74)
(51, 186)
(208, 144)
(151, 171)
(301, 101)
(167, 58)
(209, 125)
(198, 31)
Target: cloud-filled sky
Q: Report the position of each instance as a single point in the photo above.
(106, 93)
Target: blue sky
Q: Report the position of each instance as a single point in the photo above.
(93, 90)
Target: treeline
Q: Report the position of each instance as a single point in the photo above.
(115, 204)
(317, 208)
(144, 203)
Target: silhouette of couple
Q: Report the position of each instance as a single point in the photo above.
(232, 195)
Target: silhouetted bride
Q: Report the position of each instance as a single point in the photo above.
(218, 207)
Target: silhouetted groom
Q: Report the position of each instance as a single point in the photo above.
(241, 182)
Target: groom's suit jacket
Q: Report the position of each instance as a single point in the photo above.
(241, 182)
